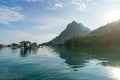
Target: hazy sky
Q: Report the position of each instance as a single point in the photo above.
(41, 20)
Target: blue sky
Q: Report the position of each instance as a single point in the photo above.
(42, 20)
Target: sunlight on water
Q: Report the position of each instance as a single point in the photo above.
(115, 73)
(59, 63)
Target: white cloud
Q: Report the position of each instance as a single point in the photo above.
(89, 0)
(59, 5)
(54, 6)
(92, 2)
(11, 36)
(36, 33)
(79, 4)
(115, 0)
(10, 14)
(32, 0)
(47, 23)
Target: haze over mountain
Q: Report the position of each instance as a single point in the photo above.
(72, 30)
(105, 36)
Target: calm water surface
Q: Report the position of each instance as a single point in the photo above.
(60, 63)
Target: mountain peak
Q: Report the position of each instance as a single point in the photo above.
(74, 22)
(73, 25)
(73, 29)
(107, 35)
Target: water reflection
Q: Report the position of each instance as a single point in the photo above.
(27, 52)
(61, 63)
(14, 50)
(79, 57)
(73, 57)
(0, 48)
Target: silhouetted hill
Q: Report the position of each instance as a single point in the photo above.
(108, 35)
(73, 29)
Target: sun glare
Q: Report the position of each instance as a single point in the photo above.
(115, 73)
(112, 15)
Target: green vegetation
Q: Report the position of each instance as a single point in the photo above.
(73, 29)
(108, 35)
